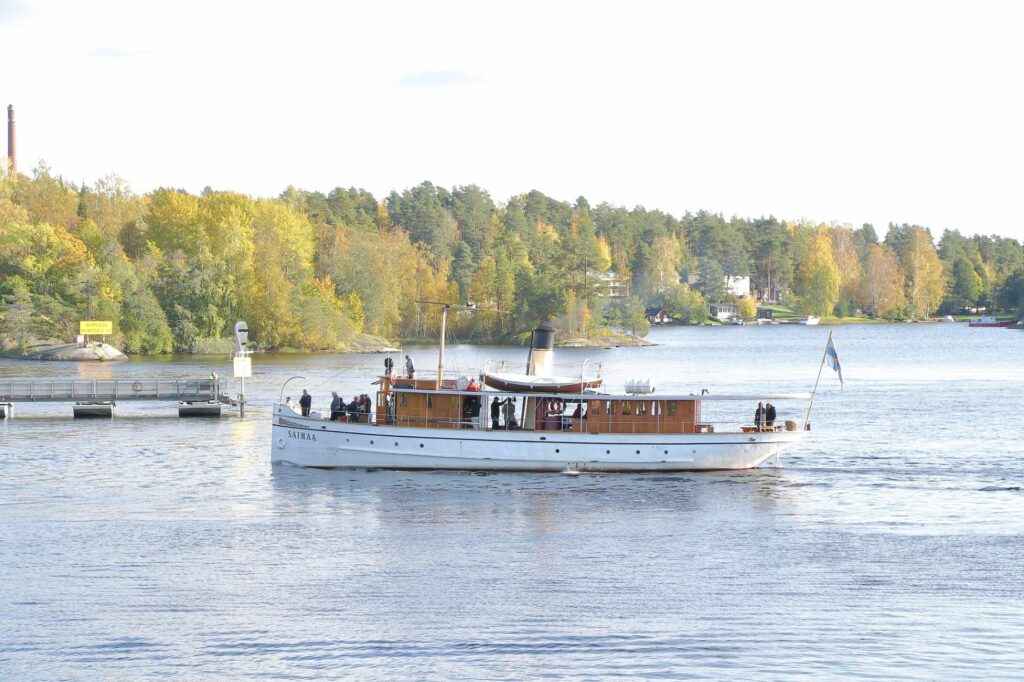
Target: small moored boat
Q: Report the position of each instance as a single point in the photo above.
(989, 321)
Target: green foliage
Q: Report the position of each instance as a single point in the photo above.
(1011, 296)
(19, 314)
(309, 269)
(965, 285)
(686, 305)
(631, 314)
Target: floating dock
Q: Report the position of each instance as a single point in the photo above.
(97, 397)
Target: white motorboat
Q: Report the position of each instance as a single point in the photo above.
(429, 423)
(810, 320)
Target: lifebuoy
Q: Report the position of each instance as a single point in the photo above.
(137, 386)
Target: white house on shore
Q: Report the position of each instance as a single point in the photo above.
(610, 284)
(726, 312)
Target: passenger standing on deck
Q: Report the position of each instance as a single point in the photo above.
(305, 402)
(759, 415)
(769, 414)
(474, 404)
(337, 405)
(410, 369)
(495, 413)
(509, 412)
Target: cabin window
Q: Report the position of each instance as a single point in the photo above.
(403, 400)
(627, 407)
(594, 407)
(671, 408)
(655, 408)
(641, 408)
(430, 401)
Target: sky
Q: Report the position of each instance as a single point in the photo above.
(879, 112)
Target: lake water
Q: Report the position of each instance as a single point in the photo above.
(891, 544)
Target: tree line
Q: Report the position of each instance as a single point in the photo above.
(309, 269)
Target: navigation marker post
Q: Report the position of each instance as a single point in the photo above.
(242, 362)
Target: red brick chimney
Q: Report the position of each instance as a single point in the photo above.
(12, 152)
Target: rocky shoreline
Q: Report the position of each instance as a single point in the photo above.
(93, 351)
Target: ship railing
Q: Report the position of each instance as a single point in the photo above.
(426, 422)
(604, 425)
(569, 424)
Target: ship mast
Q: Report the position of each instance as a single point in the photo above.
(440, 352)
(444, 325)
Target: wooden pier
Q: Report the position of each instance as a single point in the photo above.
(96, 397)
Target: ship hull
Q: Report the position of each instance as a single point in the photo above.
(315, 443)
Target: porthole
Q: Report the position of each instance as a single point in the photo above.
(557, 451)
(396, 443)
(421, 445)
(638, 452)
(666, 452)
(371, 443)
(607, 452)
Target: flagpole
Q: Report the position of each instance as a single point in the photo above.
(807, 418)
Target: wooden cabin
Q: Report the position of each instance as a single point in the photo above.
(538, 413)
(644, 416)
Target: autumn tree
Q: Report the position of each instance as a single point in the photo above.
(844, 249)
(818, 277)
(882, 286)
(747, 308)
(925, 279)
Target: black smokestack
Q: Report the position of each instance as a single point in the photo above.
(12, 152)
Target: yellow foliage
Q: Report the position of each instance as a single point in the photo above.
(547, 233)
(747, 308)
(605, 252)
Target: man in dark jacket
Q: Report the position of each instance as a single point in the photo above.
(495, 413)
(305, 402)
(759, 415)
(769, 414)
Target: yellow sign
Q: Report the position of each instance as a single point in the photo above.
(95, 327)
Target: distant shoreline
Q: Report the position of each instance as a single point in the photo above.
(366, 343)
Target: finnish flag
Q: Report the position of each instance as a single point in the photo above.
(832, 357)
